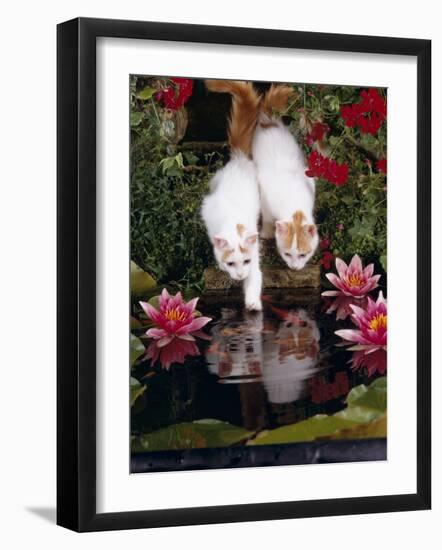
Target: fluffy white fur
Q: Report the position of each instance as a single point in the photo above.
(284, 188)
(233, 200)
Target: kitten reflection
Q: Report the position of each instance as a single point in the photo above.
(282, 354)
(236, 349)
(290, 357)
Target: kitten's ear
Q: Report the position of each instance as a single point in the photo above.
(311, 230)
(282, 228)
(252, 239)
(219, 242)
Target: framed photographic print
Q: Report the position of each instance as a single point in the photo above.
(240, 211)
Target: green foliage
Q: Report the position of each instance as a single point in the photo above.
(136, 390)
(167, 234)
(354, 215)
(140, 281)
(190, 435)
(168, 238)
(136, 348)
(168, 182)
(365, 416)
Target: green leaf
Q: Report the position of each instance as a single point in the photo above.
(364, 406)
(369, 142)
(140, 281)
(146, 93)
(200, 434)
(373, 398)
(135, 323)
(136, 118)
(307, 430)
(383, 260)
(376, 428)
(190, 157)
(331, 103)
(136, 390)
(136, 348)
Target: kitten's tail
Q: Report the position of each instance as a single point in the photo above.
(274, 103)
(244, 114)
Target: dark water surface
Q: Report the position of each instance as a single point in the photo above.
(258, 371)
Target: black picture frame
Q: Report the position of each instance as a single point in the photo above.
(76, 273)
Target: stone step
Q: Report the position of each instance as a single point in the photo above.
(269, 253)
(273, 277)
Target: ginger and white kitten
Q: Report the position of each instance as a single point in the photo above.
(231, 210)
(287, 194)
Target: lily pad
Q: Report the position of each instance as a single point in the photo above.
(140, 281)
(136, 348)
(366, 408)
(191, 435)
(136, 390)
(376, 428)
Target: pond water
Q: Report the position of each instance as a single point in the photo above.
(257, 371)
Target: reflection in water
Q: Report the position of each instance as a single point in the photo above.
(236, 349)
(257, 370)
(175, 351)
(374, 361)
(271, 362)
(290, 358)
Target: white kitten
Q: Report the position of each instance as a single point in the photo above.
(231, 210)
(287, 194)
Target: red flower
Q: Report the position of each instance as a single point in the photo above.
(337, 173)
(350, 114)
(370, 123)
(381, 165)
(317, 133)
(373, 102)
(317, 165)
(322, 167)
(174, 98)
(368, 114)
(327, 259)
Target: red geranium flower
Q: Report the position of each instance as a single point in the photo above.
(175, 97)
(350, 114)
(373, 102)
(322, 167)
(317, 133)
(317, 165)
(337, 173)
(327, 259)
(381, 165)
(368, 115)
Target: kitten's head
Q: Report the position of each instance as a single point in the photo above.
(296, 240)
(234, 253)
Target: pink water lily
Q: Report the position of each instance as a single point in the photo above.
(374, 361)
(371, 323)
(354, 280)
(175, 351)
(174, 319)
(341, 304)
(370, 338)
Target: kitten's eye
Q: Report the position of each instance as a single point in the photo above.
(230, 264)
(287, 254)
(246, 262)
(302, 255)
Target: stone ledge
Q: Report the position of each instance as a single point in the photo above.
(273, 277)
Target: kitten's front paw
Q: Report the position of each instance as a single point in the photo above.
(254, 305)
